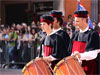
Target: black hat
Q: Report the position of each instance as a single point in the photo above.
(47, 18)
(56, 13)
(81, 14)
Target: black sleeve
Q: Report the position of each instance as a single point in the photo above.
(59, 50)
(66, 40)
(93, 42)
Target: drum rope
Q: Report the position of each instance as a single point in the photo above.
(28, 70)
(77, 67)
(59, 70)
(66, 66)
(51, 69)
(38, 67)
(45, 68)
(35, 67)
(70, 66)
(49, 66)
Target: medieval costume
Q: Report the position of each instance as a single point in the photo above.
(84, 41)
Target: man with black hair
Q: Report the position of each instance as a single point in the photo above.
(57, 24)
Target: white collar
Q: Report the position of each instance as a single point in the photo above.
(54, 31)
(51, 33)
(82, 31)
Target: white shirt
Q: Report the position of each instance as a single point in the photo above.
(90, 54)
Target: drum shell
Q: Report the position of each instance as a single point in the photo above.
(68, 66)
(37, 67)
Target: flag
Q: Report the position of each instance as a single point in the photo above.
(81, 7)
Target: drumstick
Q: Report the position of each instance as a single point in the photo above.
(79, 59)
(49, 65)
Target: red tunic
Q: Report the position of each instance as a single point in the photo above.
(47, 50)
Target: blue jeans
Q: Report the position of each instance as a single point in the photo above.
(11, 50)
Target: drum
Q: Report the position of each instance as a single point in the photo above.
(68, 66)
(37, 67)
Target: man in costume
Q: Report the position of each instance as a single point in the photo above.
(58, 21)
(84, 41)
(52, 45)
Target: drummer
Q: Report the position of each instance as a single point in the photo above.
(52, 45)
(84, 41)
(57, 27)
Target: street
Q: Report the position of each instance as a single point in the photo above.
(10, 72)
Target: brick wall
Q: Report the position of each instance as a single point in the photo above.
(71, 6)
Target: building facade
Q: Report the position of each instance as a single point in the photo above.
(24, 10)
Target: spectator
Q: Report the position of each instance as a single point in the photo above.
(94, 24)
(26, 52)
(12, 37)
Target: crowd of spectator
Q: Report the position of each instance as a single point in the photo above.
(19, 43)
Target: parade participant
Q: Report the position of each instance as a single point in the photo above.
(84, 41)
(52, 44)
(57, 24)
